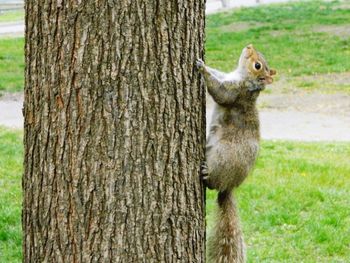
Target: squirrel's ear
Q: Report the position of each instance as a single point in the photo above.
(272, 72)
(248, 52)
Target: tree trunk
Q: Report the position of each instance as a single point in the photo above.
(114, 131)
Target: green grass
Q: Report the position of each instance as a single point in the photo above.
(294, 207)
(12, 16)
(11, 151)
(11, 64)
(286, 34)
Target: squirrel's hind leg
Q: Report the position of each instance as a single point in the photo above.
(205, 175)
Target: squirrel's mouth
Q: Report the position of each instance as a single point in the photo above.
(265, 80)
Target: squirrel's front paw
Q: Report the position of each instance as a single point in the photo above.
(254, 86)
(200, 64)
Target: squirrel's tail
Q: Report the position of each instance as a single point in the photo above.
(225, 244)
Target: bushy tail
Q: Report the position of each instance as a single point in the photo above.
(225, 244)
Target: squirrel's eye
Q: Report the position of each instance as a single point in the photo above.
(257, 66)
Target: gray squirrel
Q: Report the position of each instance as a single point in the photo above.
(232, 145)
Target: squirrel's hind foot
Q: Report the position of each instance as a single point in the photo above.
(205, 175)
(204, 169)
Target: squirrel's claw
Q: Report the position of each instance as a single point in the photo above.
(200, 64)
(205, 175)
(204, 169)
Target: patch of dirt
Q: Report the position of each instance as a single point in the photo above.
(240, 26)
(342, 31)
(285, 95)
(308, 102)
(333, 79)
(278, 33)
(17, 96)
(324, 83)
(14, 34)
(344, 5)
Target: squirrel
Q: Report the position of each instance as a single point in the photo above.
(232, 144)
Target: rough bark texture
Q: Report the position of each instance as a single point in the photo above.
(114, 131)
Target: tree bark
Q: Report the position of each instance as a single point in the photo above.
(114, 131)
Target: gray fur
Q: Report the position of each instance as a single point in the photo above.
(231, 150)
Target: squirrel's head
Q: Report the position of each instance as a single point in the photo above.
(253, 64)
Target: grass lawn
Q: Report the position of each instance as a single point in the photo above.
(296, 38)
(294, 207)
(11, 64)
(11, 161)
(12, 16)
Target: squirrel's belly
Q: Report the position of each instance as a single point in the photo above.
(229, 163)
(243, 153)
